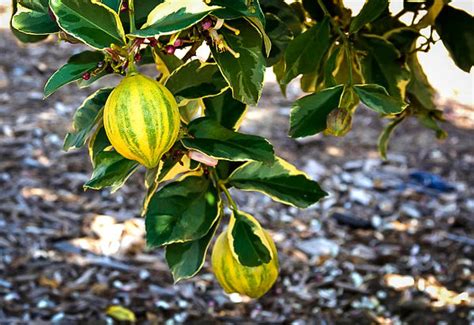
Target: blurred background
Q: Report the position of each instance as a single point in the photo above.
(393, 242)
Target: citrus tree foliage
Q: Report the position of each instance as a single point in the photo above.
(341, 60)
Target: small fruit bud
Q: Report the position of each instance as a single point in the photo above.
(138, 57)
(207, 24)
(124, 6)
(338, 122)
(170, 49)
(178, 43)
(86, 76)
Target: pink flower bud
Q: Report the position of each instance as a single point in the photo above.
(178, 43)
(170, 49)
(202, 158)
(207, 24)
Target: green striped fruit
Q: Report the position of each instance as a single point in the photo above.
(141, 119)
(235, 277)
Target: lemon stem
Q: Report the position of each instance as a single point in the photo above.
(131, 15)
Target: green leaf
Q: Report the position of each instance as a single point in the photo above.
(308, 114)
(85, 118)
(93, 23)
(250, 10)
(34, 22)
(456, 29)
(385, 136)
(247, 240)
(280, 180)
(73, 70)
(232, 9)
(142, 10)
(169, 168)
(189, 110)
(284, 12)
(305, 52)
(211, 138)
(433, 12)
(35, 5)
(371, 10)
(22, 37)
(147, 56)
(245, 73)
(206, 81)
(226, 110)
(382, 65)
(429, 118)
(335, 9)
(110, 168)
(259, 25)
(280, 36)
(419, 85)
(98, 143)
(182, 211)
(185, 260)
(403, 38)
(279, 71)
(331, 65)
(166, 64)
(27, 38)
(377, 99)
(225, 168)
(172, 16)
(115, 5)
(309, 81)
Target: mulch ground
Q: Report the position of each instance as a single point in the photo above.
(392, 244)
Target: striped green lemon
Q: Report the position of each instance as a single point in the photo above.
(141, 119)
(235, 277)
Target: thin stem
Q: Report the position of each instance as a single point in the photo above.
(221, 187)
(323, 7)
(131, 15)
(132, 69)
(401, 13)
(228, 196)
(192, 51)
(133, 43)
(347, 52)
